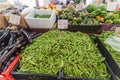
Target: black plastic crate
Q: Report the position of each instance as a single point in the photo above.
(85, 27)
(59, 76)
(112, 76)
(110, 60)
(80, 27)
(31, 76)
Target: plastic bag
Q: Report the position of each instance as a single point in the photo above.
(114, 42)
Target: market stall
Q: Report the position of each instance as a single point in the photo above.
(60, 40)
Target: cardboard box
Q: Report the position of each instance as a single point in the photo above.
(3, 21)
(22, 20)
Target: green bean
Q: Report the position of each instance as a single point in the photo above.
(103, 36)
(72, 51)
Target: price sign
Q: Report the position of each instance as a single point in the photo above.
(117, 31)
(79, 6)
(14, 19)
(111, 6)
(59, 7)
(46, 3)
(62, 24)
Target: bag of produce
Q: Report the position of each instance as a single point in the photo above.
(114, 42)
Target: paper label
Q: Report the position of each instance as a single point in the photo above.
(14, 19)
(79, 6)
(46, 3)
(59, 7)
(18, 5)
(62, 24)
(111, 6)
(117, 30)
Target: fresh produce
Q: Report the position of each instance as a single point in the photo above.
(109, 21)
(93, 15)
(103, 36)
(74, 52)
(116, 21)
(78, 18)
(104, 17)
(42, 16)
(102, 7)
(91, 8)
(12, 40)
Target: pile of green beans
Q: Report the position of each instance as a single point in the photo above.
(116, 55)
(72, 51)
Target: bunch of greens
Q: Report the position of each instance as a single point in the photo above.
(42, 16)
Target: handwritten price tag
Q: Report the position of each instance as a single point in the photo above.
(79, 6)
(111, 6)
(59, 7)
(14, 19)
(117, 31)
(62, 24)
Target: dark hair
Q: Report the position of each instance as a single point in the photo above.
(84, 1)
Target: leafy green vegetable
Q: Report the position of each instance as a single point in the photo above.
(42, 16)
(116, 21)
(116, 16)
(91, 8)
(102, 7)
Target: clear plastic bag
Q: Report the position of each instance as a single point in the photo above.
(114, 42)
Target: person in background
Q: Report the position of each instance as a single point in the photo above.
(78, 1)
(71, 6)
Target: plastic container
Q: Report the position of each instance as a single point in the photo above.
(41, 22)
(34, 76)
(60, 75)
(110, 60)
(31, 76)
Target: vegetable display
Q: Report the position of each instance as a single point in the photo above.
(78, 18)
(93, 15)
(115, 54)
(42, 16)
(12, 40)
(74, 52)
